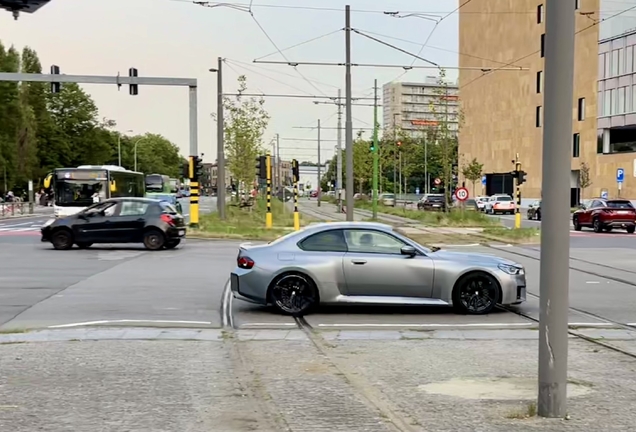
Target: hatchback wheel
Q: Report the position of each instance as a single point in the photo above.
(476, 294)
(154, 240)
(62, 240)
(294, 294)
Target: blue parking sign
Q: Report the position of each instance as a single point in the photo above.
(483, 180)
(620, 175)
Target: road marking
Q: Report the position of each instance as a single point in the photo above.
(592, 282)
(89, 323)
(431, 325)
(226, 306)
(269, 325)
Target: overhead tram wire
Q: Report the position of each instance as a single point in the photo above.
(539, 50)
(302, 43)
(227, 61)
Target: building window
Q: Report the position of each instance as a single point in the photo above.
(607, 102)
(599, 104)
(539, 14)
(621, 61)
(599, 142)
(538, 122)
(539, 81)
(621, 100)
(601, 66)
(581, 110)
(613, 102)
(614, 64)
(608, 65)
(576, 145)
(543, 45)
(629, 59)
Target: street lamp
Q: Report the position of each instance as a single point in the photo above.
(137, 142)
(119, 144)
(220, 156)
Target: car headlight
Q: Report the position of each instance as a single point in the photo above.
(511, 269)
(48, 222)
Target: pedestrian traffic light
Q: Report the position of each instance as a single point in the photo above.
(55, 86)
(133, 90)
(261, 167)
(198, 168)
(295, 171)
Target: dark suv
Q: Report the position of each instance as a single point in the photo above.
(605, 215)
(432, 202)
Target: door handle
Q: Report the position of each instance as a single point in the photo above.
(359, 261)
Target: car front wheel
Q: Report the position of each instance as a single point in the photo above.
(476, 294)
(62, 240)
(575, 222)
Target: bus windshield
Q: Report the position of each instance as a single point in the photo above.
(158, 183)
(79, 193)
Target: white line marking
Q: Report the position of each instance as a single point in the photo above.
(268, 324)
(594, 324)
(432, 325)
(631, 324)
(592, 282)
(88, 323)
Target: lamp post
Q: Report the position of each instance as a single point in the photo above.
(137, 142)
(220, 144)
(119, 145)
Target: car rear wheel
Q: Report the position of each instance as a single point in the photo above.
(598, 227)
(575, 222)
(294, 294)
(84, 245)
(476, 294)
(62, 240)
(154, 239)
(630, 229)
(171, 244)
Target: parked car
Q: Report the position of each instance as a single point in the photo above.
(432, 202)
(387, 199)
(605, 215)
(370, 263)
(534, 211)
(481, 202)
(470, 204)
(500, 204)
(157, 224)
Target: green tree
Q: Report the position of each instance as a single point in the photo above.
(585, 180)
(473, 172)
(157, 155)
(10, 117)
(245, 123)
(362, 163)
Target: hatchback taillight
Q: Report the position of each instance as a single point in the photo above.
(245, 262)
(167, 219)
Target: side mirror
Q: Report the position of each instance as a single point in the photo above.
(408, 250)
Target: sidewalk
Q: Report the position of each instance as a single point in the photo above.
(19, 210)
(276, 380)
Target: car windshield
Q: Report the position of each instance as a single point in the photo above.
(620, 204)
(168, 198)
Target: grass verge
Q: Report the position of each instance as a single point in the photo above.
(247, 224)
(521, 235)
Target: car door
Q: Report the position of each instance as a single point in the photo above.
(130, 220)
(585, 217)
(374, 266)
(94, 225)
(323, 254)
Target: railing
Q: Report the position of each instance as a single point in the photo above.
(15, 209)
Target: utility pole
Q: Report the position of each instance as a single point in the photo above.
(279, 181)
(395, 150)
(319, 183)
(220, 144)
(555, 235)
(348, 115)
(339, 156)
(375, 151)
(517, 192)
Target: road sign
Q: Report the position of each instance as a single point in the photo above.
(620, 175)
(437, 181)
(604, 194)
(483, 180)
(461, 194)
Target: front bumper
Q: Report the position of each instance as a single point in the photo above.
(513, 289)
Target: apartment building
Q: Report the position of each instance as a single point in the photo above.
(414, 107)
(503, 110)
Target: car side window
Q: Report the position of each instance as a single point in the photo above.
(325, 241)
(133, 208)
(367, 241)
(595, 204)
(107, 208)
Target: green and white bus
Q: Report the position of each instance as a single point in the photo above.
(77, 188)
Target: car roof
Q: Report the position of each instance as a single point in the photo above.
(324, 226)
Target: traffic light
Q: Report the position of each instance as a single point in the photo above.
(261, 167)
(185, 170)
(198, 168)
(55, 86)
(521, 178)
(133, 90)
(295, 171)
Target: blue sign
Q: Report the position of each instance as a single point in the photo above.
(417, 191)
(483, 180)
(604, 194)
(620, 175)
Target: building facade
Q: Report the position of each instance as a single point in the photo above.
(414, 107)
(503, 110)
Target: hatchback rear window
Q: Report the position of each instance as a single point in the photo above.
(168, 208)
(620, 204)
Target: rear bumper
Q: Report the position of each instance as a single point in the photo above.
(175, 232)
(246, 285)
(619, 223)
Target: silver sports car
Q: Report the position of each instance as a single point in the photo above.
(370, 263)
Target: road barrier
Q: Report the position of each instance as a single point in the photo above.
(15, 209)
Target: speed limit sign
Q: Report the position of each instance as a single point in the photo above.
(461, 194)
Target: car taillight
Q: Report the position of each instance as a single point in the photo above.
(167, 219)
(245, 262)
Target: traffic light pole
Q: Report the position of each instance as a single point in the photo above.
(268, 216)
(375, 150)
(518, 194)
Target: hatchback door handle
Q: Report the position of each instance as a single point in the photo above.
(358, 261)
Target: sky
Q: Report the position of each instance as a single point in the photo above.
(180, 39)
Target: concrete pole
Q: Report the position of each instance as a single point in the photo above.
(555, 226)
(339, 157)
(221, 187)
(194, 151)
(348, 115)
(319, 183)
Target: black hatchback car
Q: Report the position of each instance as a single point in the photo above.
(156, 224)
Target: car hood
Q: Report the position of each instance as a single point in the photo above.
(469, 257)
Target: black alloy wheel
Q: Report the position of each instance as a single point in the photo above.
(476, 294)
(62, 240)
(294, 294)
(154, 240)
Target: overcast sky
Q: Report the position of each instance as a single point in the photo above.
(176, 38)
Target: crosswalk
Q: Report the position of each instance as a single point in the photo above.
(20, 228)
